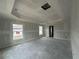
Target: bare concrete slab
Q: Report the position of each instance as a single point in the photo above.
(44, 48)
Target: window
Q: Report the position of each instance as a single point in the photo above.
(17, 31)
(40, 30)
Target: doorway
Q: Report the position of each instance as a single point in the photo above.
(51, 31)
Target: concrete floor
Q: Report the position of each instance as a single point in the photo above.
(44, 48)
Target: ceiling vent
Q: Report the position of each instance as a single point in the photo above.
(46, 6)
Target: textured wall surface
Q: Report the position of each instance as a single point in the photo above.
(46, 31)
(6, 5)
(75, 29)
(62, 29)
(30, 31)
(59, 32)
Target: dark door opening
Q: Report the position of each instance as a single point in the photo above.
(51, 31)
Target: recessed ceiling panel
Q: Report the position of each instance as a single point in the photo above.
(31, 9)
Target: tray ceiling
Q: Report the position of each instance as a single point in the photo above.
(31, 10)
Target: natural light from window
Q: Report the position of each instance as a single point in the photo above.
(40, 30)
(17, 31)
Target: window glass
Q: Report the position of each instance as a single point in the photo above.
(40, 30)
(17, 31)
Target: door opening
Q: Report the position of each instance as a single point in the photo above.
(51, 31)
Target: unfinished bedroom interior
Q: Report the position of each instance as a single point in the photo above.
(39, 29)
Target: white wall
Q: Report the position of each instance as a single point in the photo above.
(46, 31)
(75, 29)
(62, 29)
(6, 5)
(30, 31)
(66, 6)
(59, 30)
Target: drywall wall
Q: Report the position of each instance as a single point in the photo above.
(6, 5)
(62, 30)
(75, 29)
(46, 31)
(30, 31)
(59, 30)
(66, 6)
